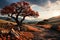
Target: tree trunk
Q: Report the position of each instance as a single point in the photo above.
(22, 20)
(17, 22)
(16, 19)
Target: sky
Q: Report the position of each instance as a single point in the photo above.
(46, 8)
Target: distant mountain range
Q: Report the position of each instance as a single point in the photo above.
(53, 20)
(26, 20)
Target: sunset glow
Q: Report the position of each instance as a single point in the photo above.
(56, 13)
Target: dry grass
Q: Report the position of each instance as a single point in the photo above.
(33, 33)
(4, 21)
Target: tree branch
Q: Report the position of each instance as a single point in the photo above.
(22, 20)
(18, 13)
(11, 16)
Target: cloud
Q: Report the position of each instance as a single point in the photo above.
(37, 2)
(51, 9)
(40, 2)
(53, 6)
(46, 8)
(53, 1)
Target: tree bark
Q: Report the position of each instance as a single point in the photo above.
(15, 19)
(19, 23)
(22, 20)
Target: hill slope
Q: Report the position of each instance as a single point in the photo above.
(55, 20)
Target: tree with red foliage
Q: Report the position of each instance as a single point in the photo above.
(19, 9)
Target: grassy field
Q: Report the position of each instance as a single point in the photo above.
(31, 31)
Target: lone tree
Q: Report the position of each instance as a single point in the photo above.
(19, 9)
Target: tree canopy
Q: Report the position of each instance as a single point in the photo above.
(15, 10)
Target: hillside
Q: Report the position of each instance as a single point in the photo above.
(29, 32)
(4, 21)
(55, 20)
